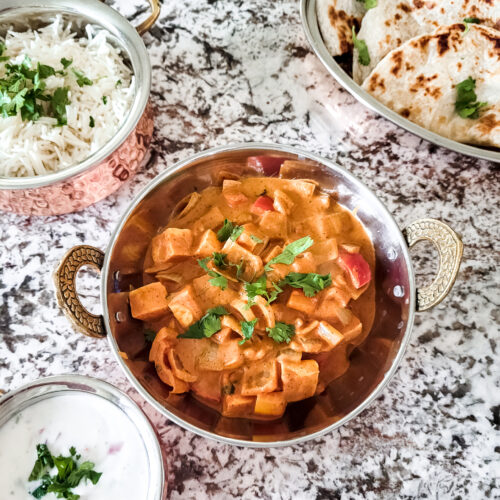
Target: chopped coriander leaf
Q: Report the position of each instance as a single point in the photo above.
(69, 473)
(256, 239)
(2, 48)
(91, 122)
(118, 83)
(149, 335)
(58, 105)
(247, 328)
(81, 79)
(470, 20)
(259, 287)
(281, 332)
(239, 268)
(104, 99)
(466, 104)
(291, 251)
(311, 283)
(236, 233)
(218, 279)
(360, 46)
(219, 259)
(206, 326)
(229, 230)
(44, 71)
(66, 62)
(43, 462)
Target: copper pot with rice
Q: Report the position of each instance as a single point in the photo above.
(106, 169)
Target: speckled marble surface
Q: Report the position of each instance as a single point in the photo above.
(231, 71)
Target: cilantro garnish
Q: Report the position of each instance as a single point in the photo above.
(247, 328)
(311, 283)
(66, 62)
(259, 287)
(2, 48)
(219, 259)
(281, 332)
(217, 278)
(206, 326)
(69, 473)
(81, 79)
(91, 122)
(149, 335)
(118, 83)
(470, 20)
(290, 252)
(466, 104)
(104, 99)
(256, 238)
(360, 45)
(229, 230)
(58, 104)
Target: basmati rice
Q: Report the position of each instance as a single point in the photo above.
(30, 148)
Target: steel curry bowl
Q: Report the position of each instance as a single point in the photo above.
(372, 364)
(102, 173)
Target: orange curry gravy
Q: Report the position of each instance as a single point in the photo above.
(254, 355)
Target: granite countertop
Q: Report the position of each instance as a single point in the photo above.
(238, 71)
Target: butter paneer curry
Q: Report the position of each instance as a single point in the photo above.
(259, 290)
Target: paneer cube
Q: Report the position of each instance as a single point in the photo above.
(325, 251)
(282, 202)
(236, 253)
(353, 329)
(149, 302)
(231, 190)
(172, 245)
(272, 404)
(184, 307)
(252, 239)
(214, 218)
(299, 379)
(274, 224)
(208, 386)
(235, 405)
(331, 336)
(208, 244)
(300, 302)
(260, 377)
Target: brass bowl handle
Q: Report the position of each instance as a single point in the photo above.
(148, 23)
(449, 247)
(67, 297)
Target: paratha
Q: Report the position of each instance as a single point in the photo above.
(419, 81)
(335, 18)
(392, 22)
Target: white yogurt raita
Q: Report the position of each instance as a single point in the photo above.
(98, 430)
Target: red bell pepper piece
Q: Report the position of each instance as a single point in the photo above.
(262, 204)
(357, 268)
(269, 165)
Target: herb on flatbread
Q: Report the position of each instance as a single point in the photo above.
(467, 105)
(369, 4)
(470, 20)
(360, 46)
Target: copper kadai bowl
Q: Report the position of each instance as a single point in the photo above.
(372, 364)
(85, 183)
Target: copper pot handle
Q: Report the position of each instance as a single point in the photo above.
(449, 247)
(148, 23)
(67, 297)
